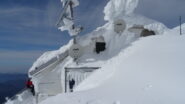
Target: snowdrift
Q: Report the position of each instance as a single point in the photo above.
(149, 71)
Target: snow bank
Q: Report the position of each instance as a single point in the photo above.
(115, 8)
(177, 30)
(150, 71)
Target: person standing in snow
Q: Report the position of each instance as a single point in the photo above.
(29, 85)
(71, 84)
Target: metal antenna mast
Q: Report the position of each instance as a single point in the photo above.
(180, 21)
(67, 19)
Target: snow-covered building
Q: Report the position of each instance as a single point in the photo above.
(122, 71)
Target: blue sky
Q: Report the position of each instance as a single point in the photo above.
(27, 27)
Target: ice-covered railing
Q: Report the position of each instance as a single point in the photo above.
(44, 66)
(18, 98)
(15, 96)
(79, 74)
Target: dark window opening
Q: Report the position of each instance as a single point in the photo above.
(100, 46)
(146, 32)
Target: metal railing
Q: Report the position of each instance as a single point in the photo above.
(78, 69)
(15, 96)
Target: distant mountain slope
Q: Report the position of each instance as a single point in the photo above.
(6, 77)
(10, 84)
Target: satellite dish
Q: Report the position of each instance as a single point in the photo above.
(119, 25)
(76, 51)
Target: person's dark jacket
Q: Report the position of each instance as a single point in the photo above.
(71, 83)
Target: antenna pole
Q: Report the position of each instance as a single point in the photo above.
(180, 20)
